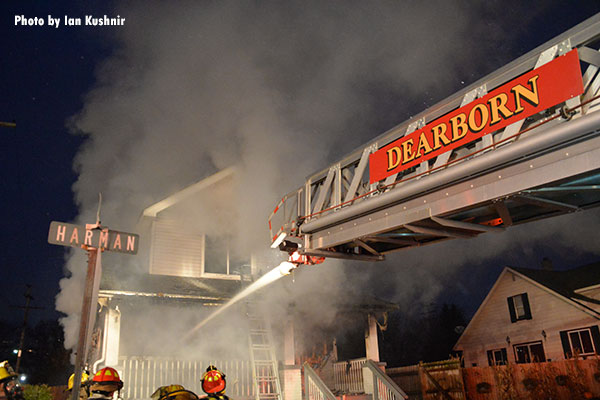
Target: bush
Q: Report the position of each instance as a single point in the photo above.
(37, 392)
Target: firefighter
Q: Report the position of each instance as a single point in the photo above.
(84, 389)
(9, 385)
(213, 383)
(105, 383)
(173, 392)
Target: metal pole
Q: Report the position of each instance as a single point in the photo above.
(22, 340)
(86, 309)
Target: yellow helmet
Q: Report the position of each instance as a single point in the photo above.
(173, 392)
(6, 371)
(84, 380)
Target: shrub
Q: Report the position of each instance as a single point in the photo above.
(37, 392)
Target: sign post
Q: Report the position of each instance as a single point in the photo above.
(95, 239)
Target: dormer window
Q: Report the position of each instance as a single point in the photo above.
(518, 307)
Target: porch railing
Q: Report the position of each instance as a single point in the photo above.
(143, 375)
(348, 376)
(378, 384)
(314, 387)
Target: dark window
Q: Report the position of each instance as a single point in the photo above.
(529, 352)
(215, 255)
(518, 307)
(497, 357)
(219, 257)
(580, 342)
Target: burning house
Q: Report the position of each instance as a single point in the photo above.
(152, 324)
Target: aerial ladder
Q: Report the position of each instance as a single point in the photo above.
(519, 145)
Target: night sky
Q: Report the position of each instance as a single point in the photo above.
(46, 74)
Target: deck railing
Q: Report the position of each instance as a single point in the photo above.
(348, 376)
(143, 375)
(314, 387)
(378, 384)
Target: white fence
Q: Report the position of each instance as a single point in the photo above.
(348, 376)
(143, 375)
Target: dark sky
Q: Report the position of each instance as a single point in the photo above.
(46, 72)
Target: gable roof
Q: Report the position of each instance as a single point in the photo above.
(567, 283)
(562, 284)
(154, 209)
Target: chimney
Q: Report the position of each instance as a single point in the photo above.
(547, 264)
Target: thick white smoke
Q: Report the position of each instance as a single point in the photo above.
(278, 89)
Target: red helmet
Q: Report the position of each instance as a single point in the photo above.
(107, 376)
(213, 381)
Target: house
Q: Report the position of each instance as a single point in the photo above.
(188, 265)
(535, 315)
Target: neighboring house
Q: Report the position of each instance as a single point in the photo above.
(535, 315)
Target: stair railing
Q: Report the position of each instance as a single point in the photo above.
(314, 387)
(379, 385)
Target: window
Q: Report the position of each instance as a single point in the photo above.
(580, 342)
(518, 307)
(220, 258)
(497, 357)
(529, 352)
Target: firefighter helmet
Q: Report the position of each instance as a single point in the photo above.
(106, 378)
(84, 380)
(6, 371)
(213, 381)
(173, 392)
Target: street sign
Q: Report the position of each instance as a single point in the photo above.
(65, 234)
(93, 238)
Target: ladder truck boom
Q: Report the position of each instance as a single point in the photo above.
(519, 145)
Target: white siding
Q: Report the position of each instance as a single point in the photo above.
(491, 325)
(175, 252)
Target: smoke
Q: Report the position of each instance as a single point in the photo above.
(278, 90)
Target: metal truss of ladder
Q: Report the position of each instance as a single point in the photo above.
(265, 371)
(534, 168)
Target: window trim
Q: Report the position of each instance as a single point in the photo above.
(529, 344)
(566, 341)
(492, 357)
(513, 310)
(217, 275)
(578, 331)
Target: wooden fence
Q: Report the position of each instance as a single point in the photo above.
(408, 379)
(442, 380)
(557, 380)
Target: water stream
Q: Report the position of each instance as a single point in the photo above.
(280, 271)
